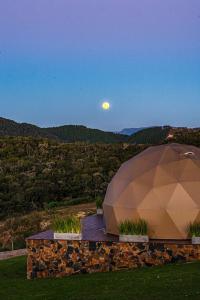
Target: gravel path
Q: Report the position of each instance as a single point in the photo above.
(14, 253)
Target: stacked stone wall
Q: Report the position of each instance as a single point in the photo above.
(54, 258)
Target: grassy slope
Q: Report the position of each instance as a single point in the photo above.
(166, 282)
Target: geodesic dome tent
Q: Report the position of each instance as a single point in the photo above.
(160, 185)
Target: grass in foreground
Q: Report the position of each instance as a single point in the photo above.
(138, 227)
(70, 224)
(172, 282)
(194, 229)
(99, 202)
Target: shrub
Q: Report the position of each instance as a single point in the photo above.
(51, 205)
(99, 202)
(129, 227)
(70, 224)
(75, 201)
(194, 229)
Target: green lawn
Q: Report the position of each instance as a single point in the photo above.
(181, 281)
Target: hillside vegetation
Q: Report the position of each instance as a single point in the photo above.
(37, 173)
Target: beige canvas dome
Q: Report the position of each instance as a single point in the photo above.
(160, 185)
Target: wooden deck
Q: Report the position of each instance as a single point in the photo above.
(93, 229)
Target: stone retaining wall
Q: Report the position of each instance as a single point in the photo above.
(54, 258)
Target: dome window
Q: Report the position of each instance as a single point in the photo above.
(189, 154)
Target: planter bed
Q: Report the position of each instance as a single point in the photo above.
(67, 236)
(99, 211)
(196, 240)
(134, 238)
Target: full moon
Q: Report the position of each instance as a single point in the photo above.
(105, 105)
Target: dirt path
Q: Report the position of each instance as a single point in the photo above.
(14, 253)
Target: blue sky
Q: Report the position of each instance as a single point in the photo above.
(60, 59)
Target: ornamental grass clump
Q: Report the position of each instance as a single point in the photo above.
(70, 224)
(194, 229)
(99, 203)
(129, 227)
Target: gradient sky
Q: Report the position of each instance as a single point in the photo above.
(60, 58)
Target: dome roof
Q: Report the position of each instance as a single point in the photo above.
(160, 185)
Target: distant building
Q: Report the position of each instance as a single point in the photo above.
(170, 136)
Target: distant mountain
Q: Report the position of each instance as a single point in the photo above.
(66, 133)
(130, 131)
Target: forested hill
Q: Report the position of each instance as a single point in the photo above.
(73, 133)
(67, 133)
(152, 135)
(12, 128)
(166, 134)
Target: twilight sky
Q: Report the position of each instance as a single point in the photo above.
(60, 58)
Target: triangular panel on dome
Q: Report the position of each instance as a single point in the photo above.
(180, 200)
(152, 154)
(169, 154)
(190, 171)
(150, 201)
(173, 169)
(132, 195)
(182, 218)
(193, 189)
(197, 162)
(159, 223)
(158, 197)
(147, 178)
(182, 209)
(163, 176)
(124, 212)
(164, 194)
(115, 188)
(135, 168)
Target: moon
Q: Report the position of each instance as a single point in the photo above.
(105, 105)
